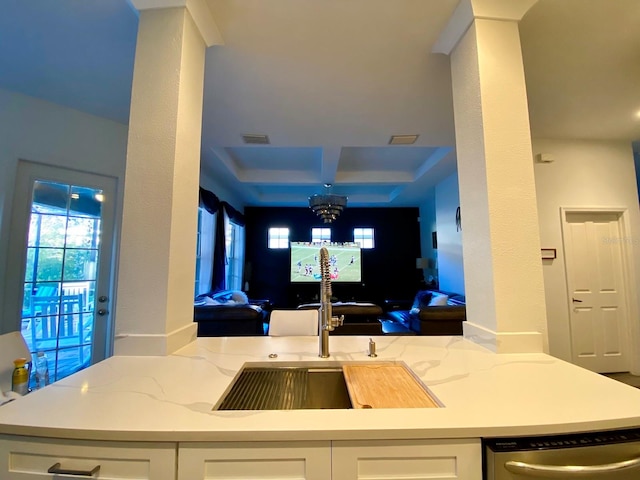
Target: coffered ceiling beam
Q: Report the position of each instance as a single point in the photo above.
(330, 162)
(432, 161)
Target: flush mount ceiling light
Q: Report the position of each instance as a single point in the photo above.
(327, 206)
(255, 139)
(403, 139)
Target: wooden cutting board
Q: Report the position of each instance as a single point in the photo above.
(385, 386)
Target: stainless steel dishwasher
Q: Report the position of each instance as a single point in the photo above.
(611, 455)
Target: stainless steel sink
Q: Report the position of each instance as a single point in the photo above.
(287, 388)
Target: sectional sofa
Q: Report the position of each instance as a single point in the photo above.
(229, 314)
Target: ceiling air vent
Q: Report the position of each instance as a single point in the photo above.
(403, 139)
(254, 139)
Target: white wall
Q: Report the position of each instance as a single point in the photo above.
(450, 267)
(40, 131)
(584, 173)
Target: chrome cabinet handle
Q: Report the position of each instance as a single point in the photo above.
(56, 468)
(566, 471)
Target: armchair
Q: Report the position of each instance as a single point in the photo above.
(432, 312)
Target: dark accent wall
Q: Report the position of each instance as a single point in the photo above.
(388, 271)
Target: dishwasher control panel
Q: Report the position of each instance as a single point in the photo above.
(515, 444)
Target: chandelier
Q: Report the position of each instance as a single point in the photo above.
(327, 206)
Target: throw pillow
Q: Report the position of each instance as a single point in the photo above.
(212, 301)
(239, 297)
(222, 296)
(438, 300)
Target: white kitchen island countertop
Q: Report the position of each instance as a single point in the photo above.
(171, 398)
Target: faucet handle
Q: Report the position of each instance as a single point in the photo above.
(334, 322)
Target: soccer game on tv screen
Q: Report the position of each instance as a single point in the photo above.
(344, 262)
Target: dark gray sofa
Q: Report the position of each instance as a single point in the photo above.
(418, 318)
(230, 319)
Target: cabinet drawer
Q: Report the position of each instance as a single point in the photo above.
(403, 459)
(26, 458)
(255, 460)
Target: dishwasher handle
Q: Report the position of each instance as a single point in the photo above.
(566, 471)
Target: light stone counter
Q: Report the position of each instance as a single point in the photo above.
(171, 398)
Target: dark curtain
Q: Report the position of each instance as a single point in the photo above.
(234, 215)
(212, 204)
(209, 201)
(218, 281)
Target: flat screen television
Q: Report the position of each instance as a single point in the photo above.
(344, 261)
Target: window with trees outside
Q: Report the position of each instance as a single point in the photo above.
(364, 237)
(278, 237)
(60, 275)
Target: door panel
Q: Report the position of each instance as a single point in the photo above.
(595, 277)
(60, 262)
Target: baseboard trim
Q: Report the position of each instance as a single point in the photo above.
(504, 342)
(127, 344)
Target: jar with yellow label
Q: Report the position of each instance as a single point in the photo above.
(20, 377)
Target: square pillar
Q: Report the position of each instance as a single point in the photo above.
(156, 271)
(500, 230)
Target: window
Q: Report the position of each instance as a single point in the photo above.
(364, 237)
(204, 252)
(319, 235)
(234, 248)
(278, 237)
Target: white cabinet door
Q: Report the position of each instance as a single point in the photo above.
(27, 458)
(407, 459)
(254, 460)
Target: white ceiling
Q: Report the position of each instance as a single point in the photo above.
(329, 81)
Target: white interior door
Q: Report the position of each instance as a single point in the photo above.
(598, 315)
(59, 267)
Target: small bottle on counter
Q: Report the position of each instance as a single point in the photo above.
(20, 377)
(42, 370)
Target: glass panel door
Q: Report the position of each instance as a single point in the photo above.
(64, 267)
(60, 275)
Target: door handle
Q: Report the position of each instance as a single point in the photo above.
(57, 469)
(568, 471)
(575, 300)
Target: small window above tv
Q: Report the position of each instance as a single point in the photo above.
(278, 237)
(319, 235)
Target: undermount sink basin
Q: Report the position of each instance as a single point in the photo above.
(318, 385)
(287, 388)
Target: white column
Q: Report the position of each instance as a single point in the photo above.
(156, 270)
(500, 233)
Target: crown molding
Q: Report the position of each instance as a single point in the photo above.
(469, 10)
(202, 16)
